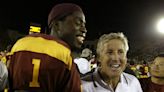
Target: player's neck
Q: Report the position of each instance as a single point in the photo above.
(158, 80)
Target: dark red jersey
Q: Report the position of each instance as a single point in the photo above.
(148, 86)
(40, 63)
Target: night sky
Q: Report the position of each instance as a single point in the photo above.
(135, 18)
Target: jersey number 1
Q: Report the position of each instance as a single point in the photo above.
(34, 82)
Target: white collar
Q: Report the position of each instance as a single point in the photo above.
(98, 79)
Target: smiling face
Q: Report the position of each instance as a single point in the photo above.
(113, 58)
(157, 67)
(72, 29)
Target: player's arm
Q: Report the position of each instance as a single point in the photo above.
(3, 76)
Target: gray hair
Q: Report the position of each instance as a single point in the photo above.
(107, 37)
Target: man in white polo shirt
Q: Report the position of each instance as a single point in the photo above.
(112, 57)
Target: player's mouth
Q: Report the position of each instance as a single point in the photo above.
(80, 38)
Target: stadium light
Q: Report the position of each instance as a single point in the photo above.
(160, 25)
